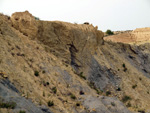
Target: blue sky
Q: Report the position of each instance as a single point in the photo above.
(106, 14)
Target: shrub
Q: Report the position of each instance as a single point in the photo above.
(43, 71)
(129, 104)
(113, 104)
(43, 94)
(118, 89)
(140, 78)
(10, 105)
(108, 93)
(141, 111)
(123, 65)
(50, 103)
(73, 96)
(82, 76)
(54, 89)
(22, 111)
(47, 83)
(36, 73)
(81, 92)
(92, 85)
(77, 104)
(87, 23)
(109, 32)
(134, 86)
(126, 98)
(37, 18)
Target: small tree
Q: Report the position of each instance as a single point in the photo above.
(109, 32)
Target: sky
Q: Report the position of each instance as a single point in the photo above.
(115, 15)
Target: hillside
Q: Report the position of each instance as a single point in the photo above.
(138, 36)
(70, 67)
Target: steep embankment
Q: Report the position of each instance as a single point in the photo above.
(70, 66)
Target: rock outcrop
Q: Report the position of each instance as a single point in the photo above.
(25, 23)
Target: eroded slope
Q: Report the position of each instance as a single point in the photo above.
(70, 65)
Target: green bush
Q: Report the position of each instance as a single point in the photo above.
(129, 104)
(37, 18)
(22, 111)
(140, 78)
(109, 32)
(108, 93)
(36, 73)
(113, 104)
(54, 89)
(134, 86)
(50, 103)
(77, 104)
(118, 89)
(123, 65)
(82, 76)
(92, 85)
(141, 111)
(126, 98)
(73, 96)
(10, 105)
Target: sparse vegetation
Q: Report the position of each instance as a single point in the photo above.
(118, 89)
(73, 96)
(108, 93)
(37, 18)
(134, 86)
(54, 89)
(36, 73)
(87, 23)
(47, 83)
(140, 78)
(109, 32)
(112, 103)
(43, 71)
(129, 104)
(82, 76)
(124, 66)
(141, 111)
(50, 103)
(10, 105)
(126, 98)
(92, 85)
(81, 92)
(77, 104)
(22, 111)
(43, 94)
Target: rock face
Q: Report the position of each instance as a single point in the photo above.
(62, 39)
(25, 23)
(70, 68)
